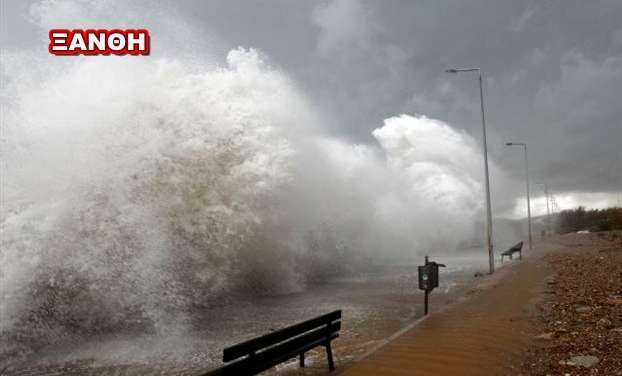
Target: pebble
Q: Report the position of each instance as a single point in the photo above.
(545, 336)
(586, 361)
(605, 322)
(582, 309)
(615, 301)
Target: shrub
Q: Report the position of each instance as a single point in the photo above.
(593, 220)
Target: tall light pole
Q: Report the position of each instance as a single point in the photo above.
(491, 257)
(524, 145)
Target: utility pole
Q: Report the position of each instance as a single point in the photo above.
(524, 145)
(427, 293)
(491, 257)
(554, 206)
(548, 207)
(546, 194)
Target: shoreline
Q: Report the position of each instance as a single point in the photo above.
(355, 350)
(376, 306)
(474, 321)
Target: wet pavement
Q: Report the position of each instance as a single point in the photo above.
(375, 305)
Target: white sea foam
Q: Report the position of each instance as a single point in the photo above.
(135, 189)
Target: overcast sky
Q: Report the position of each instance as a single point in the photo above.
(553, 69)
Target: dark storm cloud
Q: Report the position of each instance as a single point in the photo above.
(553, 70)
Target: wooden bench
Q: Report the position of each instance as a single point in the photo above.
(515, 248)
(262, 353)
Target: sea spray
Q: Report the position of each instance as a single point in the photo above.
(137, 191)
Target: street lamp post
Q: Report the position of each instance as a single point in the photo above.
(524, 145)
(491, 258)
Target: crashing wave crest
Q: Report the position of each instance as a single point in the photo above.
(136, 190)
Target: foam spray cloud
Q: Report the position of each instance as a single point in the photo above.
(138, 189)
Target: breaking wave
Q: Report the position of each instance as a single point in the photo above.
(135, 190)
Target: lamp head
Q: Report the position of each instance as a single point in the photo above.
(509, 144)
(451, 70)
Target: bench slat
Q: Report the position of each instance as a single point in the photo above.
(256, 344)
(278, 354)
(515, 248)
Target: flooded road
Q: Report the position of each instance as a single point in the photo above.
(375, 305)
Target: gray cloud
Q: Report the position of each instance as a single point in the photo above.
(343, 24)
(553, 68)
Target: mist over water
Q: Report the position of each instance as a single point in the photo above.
(138, 189)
